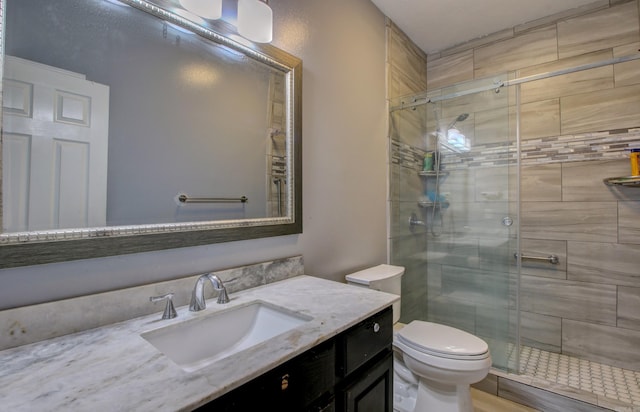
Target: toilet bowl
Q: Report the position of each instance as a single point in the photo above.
(434, 365)
(445, 361)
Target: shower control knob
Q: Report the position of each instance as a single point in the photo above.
(507, 221)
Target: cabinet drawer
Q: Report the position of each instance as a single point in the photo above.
(364, 341)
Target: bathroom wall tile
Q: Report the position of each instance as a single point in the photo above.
(458, 185)
(581, 221)
(600, 30)
(567, 84)
(493, 321)
(492, 126)
(615, 405)
(538, 247)
(541, 399)
(494, 184)
(434, 280)
(627, 73)
(600, 343)
(479, 219)
(601, 110)
(582, 181)
(534, 47)
(541, 331)
(488, 384)
(410, 187)
(406, 56)
(607, 263)
(407, 126)
(414, 290)
(590, 302)
(400, 213)
(400, 84)
(496, 254)
(574, 394)
(563, 15)
(541, 183)
(629, 307)
(538, 119)
(452, 312)
(477, 42)
(487, 100)
(450, 69)
(475, 286)
(408, 247)
(629, 222)
(281, 269)
(452, 250)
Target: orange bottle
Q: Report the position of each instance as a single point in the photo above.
(634, 157)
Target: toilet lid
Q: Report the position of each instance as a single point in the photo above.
(375, 274)
(442, 340)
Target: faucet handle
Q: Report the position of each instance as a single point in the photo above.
(169, 310)
(223, 297)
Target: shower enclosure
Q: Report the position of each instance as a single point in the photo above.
(454, 207)
(544, 274)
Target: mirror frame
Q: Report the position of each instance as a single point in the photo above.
(51, 246)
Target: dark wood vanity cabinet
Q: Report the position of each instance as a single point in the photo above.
(365, 365)
(350, 372)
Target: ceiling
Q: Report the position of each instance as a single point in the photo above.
(436, 25)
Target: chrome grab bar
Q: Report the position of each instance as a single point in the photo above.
(186, 199)
(553, 259)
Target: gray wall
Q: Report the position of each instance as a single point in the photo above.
(342, 45)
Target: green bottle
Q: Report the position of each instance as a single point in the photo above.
(427, 165)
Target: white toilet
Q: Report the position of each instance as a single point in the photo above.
(433, 364)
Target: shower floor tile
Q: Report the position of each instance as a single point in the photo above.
(603, 380)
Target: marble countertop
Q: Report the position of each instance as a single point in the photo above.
(113, 368)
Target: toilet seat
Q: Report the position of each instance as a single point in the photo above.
(442, 341)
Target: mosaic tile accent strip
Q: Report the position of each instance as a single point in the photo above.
(613, 144)
(611, 382)
(406, 155)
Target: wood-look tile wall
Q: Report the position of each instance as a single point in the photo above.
(589, 304)
(406, 75)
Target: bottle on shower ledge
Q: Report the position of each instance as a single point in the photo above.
(427, 165)
(635, 162)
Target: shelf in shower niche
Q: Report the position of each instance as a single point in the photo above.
(433, 173)
(427, 204)
(631, 181)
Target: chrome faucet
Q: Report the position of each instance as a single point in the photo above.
(197, 296)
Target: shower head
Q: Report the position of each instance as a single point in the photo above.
(460, 118)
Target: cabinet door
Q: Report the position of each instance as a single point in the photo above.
(372, 390)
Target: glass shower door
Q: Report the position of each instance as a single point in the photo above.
(459, 204)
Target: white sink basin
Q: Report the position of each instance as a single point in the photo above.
(203, 340)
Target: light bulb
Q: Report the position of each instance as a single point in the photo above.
(255, 20)
(207, 9)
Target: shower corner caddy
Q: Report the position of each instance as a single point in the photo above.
(433, 173)
(629, 181)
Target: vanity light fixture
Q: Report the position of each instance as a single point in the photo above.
(207, 9)
(255, 20)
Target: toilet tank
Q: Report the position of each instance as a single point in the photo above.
(385, 278)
